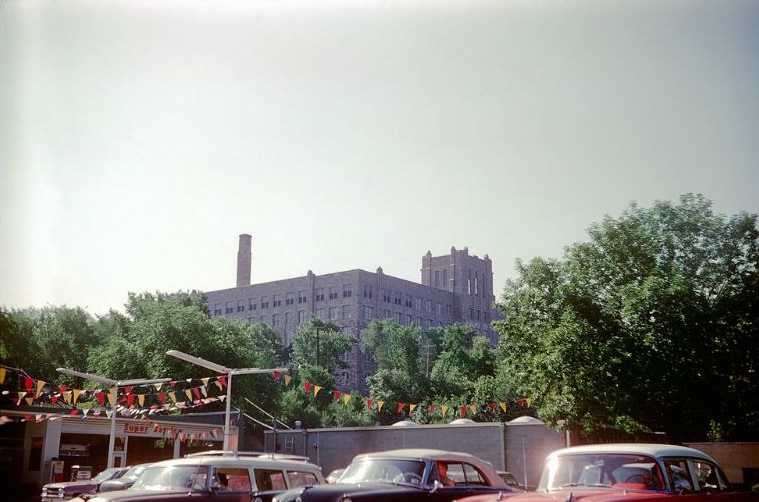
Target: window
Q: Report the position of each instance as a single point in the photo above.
(438, 308)
(333, 292)
(288, 318)
(301, 478)
(347, 291)
(476, 284)
(277, 302)
(437, 278)
(252, 304)
(428, 306)
(465, 474)
(241, 305)
(398, 298)
(386, 296)
(445, 278)
(217, 309)
(398, 317)
(319, 294)
(301, 316)
(367, 291)
(267, 479)
(319, 313)
(346, 312)
(264, 302)
(409, 301)
(409, 320)
(229, 308)
(275, 318)
(368, 312)
(418, 303)
(388, 314)
(302, 297)
(332, 313)
(264, 319)
(289, 298)
(232, 479)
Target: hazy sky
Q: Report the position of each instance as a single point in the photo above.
(138, 139)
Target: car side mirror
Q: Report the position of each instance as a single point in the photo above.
(436, 485)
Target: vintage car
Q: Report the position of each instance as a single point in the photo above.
(405, 475)
(125, 481)
(69, 489)
(230, 477)
(622, 472)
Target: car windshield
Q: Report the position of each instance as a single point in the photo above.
(384, 470)
(172, 477)
(105, 475)
(636, 472)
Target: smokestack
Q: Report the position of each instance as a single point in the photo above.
(244, 260)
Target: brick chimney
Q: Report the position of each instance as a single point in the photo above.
(244, 260)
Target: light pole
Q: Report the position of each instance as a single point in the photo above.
(229, 372)
(115, 389)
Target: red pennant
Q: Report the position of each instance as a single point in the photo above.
(493, 406)
(432, 409)
(28, 382)
(130, 400)
(369, 403)
(462, 409)
(74, 412)
(128, 390)
(520, 403)
(196, 391)
(276, 375)
(336, 394)
(400, 407)
(101, 398)
(62, 389)
(222, 381)
(162, 397)
(54, 399)
(307, 386)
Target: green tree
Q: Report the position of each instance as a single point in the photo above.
(396, 351)
(318, 350)
(41, 340)
(651, 324)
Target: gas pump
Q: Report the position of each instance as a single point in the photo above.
(56, 470)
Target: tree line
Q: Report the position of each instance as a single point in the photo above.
(650, 325)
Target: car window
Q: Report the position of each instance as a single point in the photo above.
(170, 477)
(270, 479)
(678, 474)
(465, 474)
(709, 476)
(233, 479)
(301, 478)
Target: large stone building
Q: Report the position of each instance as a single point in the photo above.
(454, 288)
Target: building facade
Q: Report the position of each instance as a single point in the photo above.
(454, 288)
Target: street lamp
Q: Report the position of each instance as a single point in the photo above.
(229, 372)
(115, 384)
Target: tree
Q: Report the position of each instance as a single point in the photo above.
(396, 350)
(651, 324)
(318, 350)
(41, 340)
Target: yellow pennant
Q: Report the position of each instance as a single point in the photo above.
(529, 401)
(288, 379)
(411, 407)
(503, 406)
(173, 396)
(141, 400)
(317, 388)
(380, 404)
(473, 408)
(67, 397)
(443, 409)
(2, 375)
(40, 385)
(77, 393)
(112, 396)
(29, 400)
(346, 399)
(188, 393)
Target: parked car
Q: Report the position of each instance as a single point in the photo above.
(55, 492)
(621, 472)
(125, 481)
(405, 475)
(229, 477)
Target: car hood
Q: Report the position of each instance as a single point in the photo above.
(330, 491)
(575, 495)
(130, 494)
(70, 484)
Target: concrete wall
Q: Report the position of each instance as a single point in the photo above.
(520, 448)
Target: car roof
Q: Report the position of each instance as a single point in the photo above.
(651, 449)
(274, 463)
(422, 454)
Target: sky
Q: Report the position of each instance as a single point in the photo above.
(139, 139)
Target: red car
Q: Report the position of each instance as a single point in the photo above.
(625, 472)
